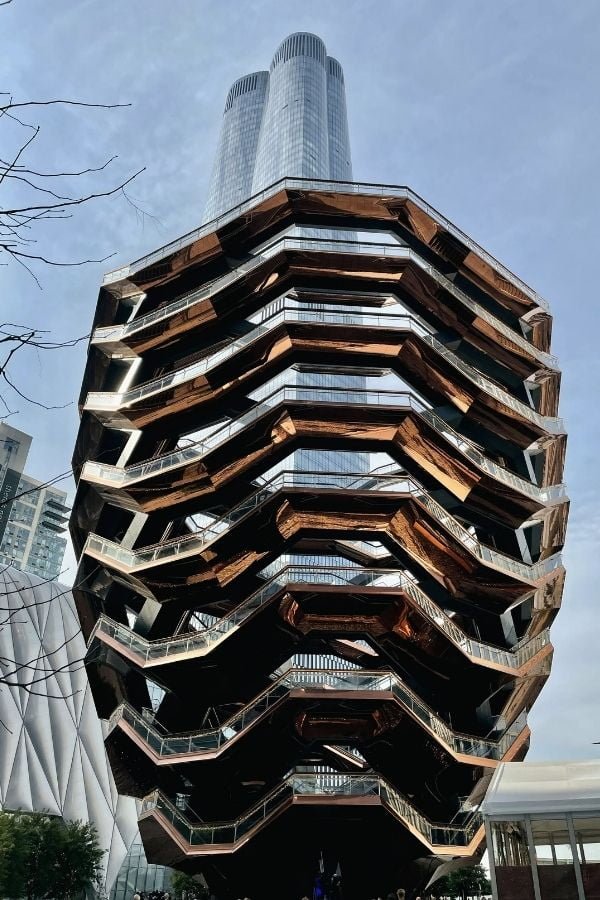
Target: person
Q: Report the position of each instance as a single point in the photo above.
(400, 893)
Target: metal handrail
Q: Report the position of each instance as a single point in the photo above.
(112, 333)
(121, 476)
(102, 548)
(204, 642)
(442, 837)
(347, 187)
(212, 740)
(288, 313)
(113, 400)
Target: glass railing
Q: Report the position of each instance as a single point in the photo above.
(119, 332)
(288, 314)
(107, 400)
(379, 190)
(201, 643)
(170, 551)
(350, 754)
(281, 311)
(329, 786)
(213, 740)
(120, 477)
(371, 549)
(395, 250)
(554, 424)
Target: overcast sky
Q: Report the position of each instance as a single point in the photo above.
(487, 109)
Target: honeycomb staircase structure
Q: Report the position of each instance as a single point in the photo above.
(319, 521)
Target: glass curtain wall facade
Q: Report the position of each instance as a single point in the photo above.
(233, 171)
(14, 447)
(137, 875)
(33, 515)
(33, 540)
(294, 137)
(290, 121)
(340, 165)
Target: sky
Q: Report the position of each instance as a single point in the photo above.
(489, 110)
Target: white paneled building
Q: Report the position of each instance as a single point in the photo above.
(52, 755)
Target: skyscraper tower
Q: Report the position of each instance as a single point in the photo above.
(288, 122)
(319, 516)
(233, 171)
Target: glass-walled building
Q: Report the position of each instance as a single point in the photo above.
(291, 121)
(14, 447)
(288, 122)
(34, 537)
(33, 515)
(137, 875)
(543, 831)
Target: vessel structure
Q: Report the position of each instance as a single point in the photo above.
(319, 519)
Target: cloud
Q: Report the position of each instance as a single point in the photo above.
(488, 110)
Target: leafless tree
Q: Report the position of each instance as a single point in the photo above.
(34, 197)
(42, 195)
(30, 197)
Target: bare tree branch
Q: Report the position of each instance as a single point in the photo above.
(39, 487)
(21, 151)
(18, 337)
(37, 197)
(41, 673)
(30, 399)
(63, 102)
(78, 201)
(15, 220)
(88, 171)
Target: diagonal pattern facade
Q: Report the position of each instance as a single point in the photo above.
(53, 759)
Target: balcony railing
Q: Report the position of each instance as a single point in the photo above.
(121, 477)
(112, 401)
(203, 642)
(115, 333)
(288, 314)
(213, 740)
(443, 838)
(343, 187)
(169, 551)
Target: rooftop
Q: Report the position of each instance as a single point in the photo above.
(524, 788)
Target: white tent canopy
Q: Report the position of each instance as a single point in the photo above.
(524, 788)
